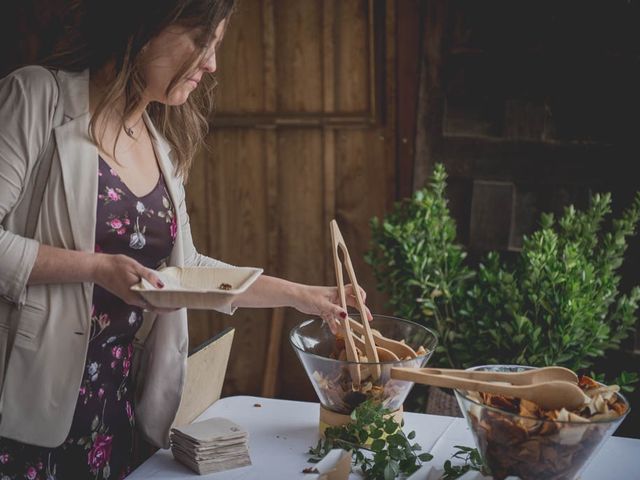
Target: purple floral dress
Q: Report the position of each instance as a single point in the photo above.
(100, 441)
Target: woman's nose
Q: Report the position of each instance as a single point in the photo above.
(209, 64)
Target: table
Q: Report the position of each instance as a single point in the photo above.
(281, 432)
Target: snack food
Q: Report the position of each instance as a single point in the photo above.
(517, 437)
(343, 395)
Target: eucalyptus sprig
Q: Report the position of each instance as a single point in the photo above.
(377, 444)
(472, 461)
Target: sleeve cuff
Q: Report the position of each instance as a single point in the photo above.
(16, 278)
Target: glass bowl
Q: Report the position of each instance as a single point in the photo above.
(529, 447)
(314, 344)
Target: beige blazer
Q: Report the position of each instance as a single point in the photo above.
(40, 376)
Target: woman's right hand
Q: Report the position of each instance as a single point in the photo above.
(118, 273)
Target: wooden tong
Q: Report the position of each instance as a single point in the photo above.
(526, 377)
(369, 345)
(384, 355)
(551, 387)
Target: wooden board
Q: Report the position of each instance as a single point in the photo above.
(206, 368)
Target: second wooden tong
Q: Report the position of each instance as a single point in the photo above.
(370, 348)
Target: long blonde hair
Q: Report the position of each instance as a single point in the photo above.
(116, 31)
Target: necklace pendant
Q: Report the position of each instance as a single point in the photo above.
(129, 131)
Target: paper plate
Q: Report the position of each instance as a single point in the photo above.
(197, 287)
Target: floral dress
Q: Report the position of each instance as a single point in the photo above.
(99, 443)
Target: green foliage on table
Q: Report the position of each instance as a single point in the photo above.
(558, 303)
(472, 461)
(376, 441)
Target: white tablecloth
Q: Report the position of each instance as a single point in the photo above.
(281, 432)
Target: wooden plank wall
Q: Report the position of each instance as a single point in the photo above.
(29, 30)
(304, 132)
(314, 122)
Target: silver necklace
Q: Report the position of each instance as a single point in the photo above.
(129, 130)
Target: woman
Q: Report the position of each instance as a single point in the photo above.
(112, 132)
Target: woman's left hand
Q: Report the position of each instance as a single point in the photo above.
(325, 303)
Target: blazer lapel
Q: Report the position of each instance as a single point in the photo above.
(78, 158)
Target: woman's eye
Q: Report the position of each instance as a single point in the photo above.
(198, 39)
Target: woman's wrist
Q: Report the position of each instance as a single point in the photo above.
(94, 262)
(296, 295)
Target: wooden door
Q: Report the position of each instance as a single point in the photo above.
(302, 134)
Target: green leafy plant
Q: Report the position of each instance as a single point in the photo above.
(472, 461)
(626, 380)
(558, 303)
(417, 261)
(376, 441)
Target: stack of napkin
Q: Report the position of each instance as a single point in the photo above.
(211, 445)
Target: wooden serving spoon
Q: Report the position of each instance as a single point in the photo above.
(551, 395)
(400, 349)
(526, 377)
